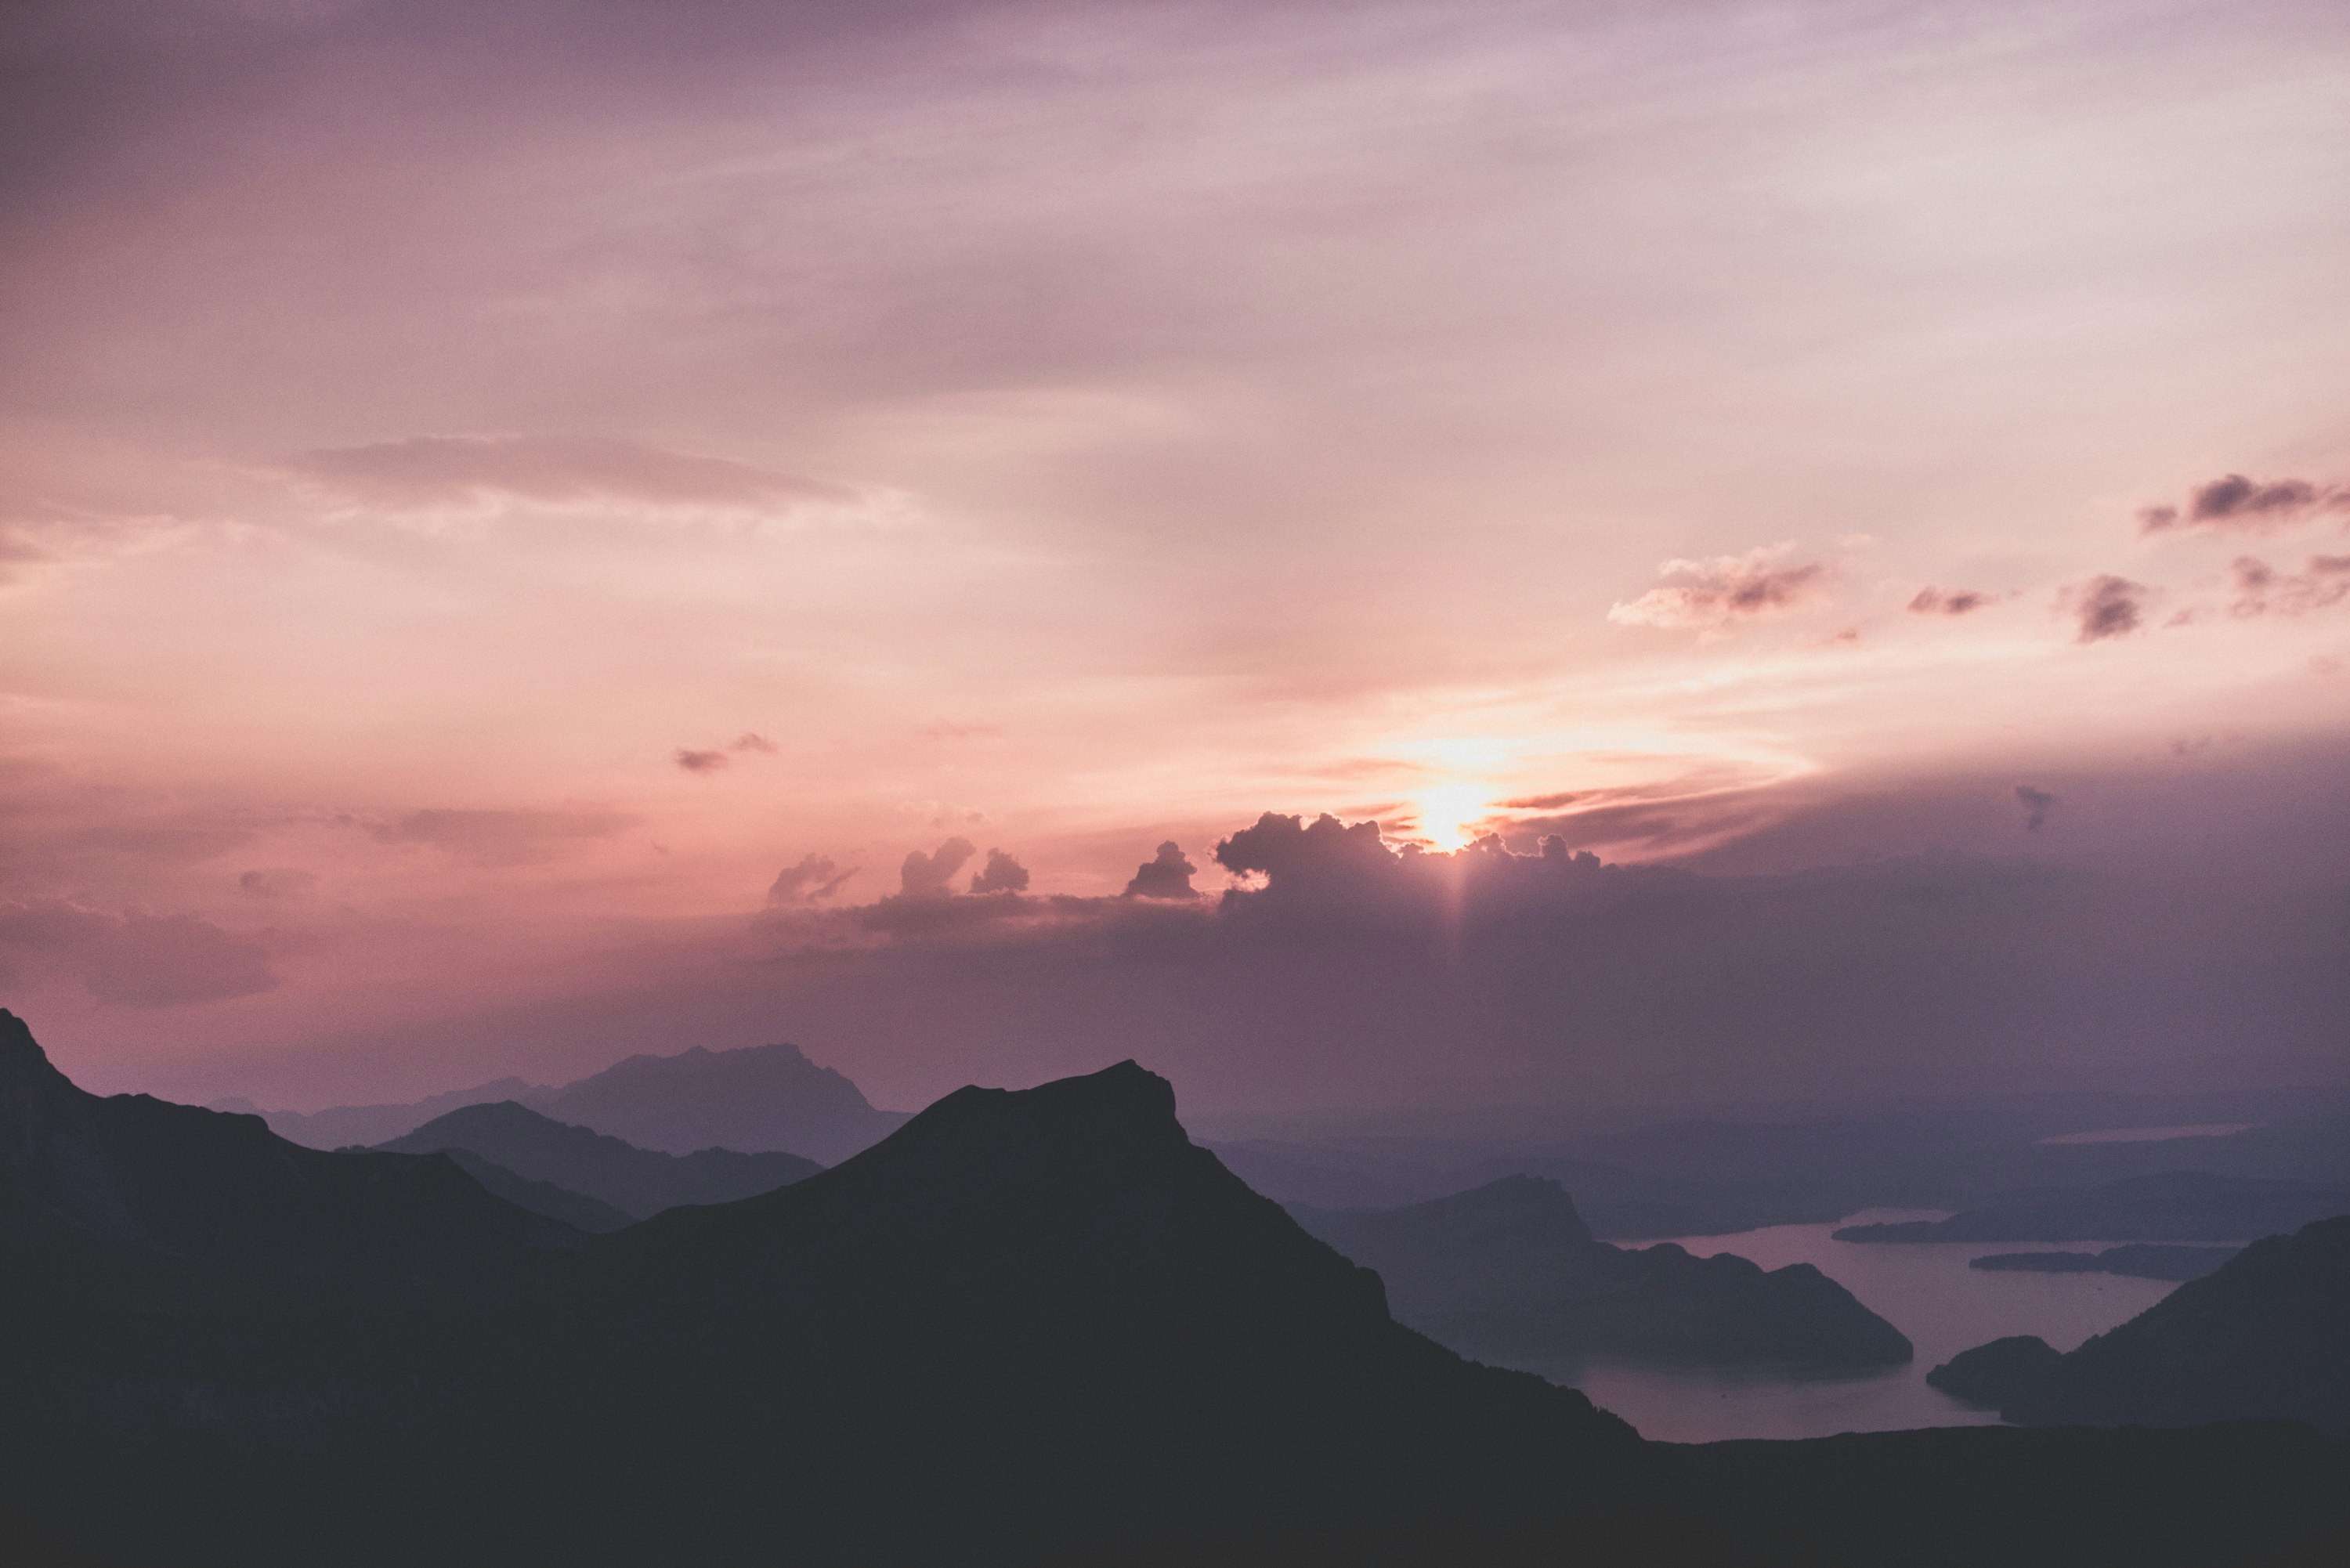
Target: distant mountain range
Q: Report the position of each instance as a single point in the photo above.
(2135, 1260)
(1712, 1177)
(2178, 1206)
(635, 1183)
(1510, 1271)
(758, 1099)
(2266, 1334)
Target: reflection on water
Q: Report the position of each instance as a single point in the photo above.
(1925, 1291)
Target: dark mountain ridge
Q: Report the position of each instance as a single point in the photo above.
(637, 1182)
(2267, 1334)
(172, 1181)
(1063, 1330)
(1510, 1271)
(2176, 1205)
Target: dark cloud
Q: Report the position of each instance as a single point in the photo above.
(1001, 874)
(1956, 601)
(134, 960)
(695, 761)
(926, 876)
(1295, 855)
(2235, 504)
(2261, 589)
(2037, 803)
(1723, 589)
(1409, 975)
(277, 883)
(425, 471)
(1166, 875)
(2106, 607)
(815, 877)
(750, 742)
(501, 837)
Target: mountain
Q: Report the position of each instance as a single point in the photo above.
(1034, 1327)
(590, 1215)
(345, 1126)
(2248, 1494)
(637, 1182)
(143, 1177)
(1510, 1270)
(2262, 1336)
(2178, 1206)
(759, 1099)
(2137, 1259)
(1990, 1374)
(1710, 1177)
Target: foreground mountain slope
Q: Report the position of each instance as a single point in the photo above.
(2267, 1334)
(1065, 1326)
(2246, 1494)
(636, 1181)
(1509, 1270)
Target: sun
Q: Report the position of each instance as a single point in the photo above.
(1448, 812)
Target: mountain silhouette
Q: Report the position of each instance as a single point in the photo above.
(2135, 1260)
(2263, 1335)
(637, 1182)
(145, 1177)
(1989, 1375)
(577, 1209)
(756, 1099)
(1510, 1270)
(2176, 1206)
(1036, 1326)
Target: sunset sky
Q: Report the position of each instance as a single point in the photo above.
(517, 518)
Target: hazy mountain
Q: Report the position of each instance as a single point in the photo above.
(2264, 1336)
(1701, 1178)
(758, 1098)
(2136, 1259)
(2178, 1206)
(347, 1126)
(1510, 1270)
(637, 1182)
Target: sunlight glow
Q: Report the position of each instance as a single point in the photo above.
(1448, 812)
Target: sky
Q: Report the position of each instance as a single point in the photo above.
(533, 532)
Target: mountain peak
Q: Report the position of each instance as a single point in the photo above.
(23, 1063)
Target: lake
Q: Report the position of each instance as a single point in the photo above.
(1925, 1291)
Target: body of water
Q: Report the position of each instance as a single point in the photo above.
(1926, 1291)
